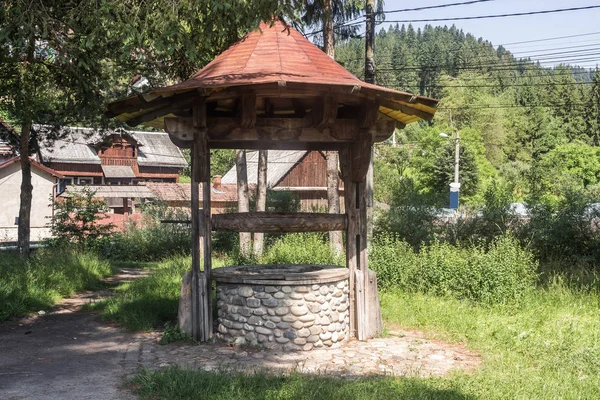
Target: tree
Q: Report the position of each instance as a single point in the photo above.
(261, 199)
(243, 198)
(77, 217)
(61, 60)
(52, 71)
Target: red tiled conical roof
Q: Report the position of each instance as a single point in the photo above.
(271, 54)
(279, 54)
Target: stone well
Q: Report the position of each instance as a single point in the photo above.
(283, 307)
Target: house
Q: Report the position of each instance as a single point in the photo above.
(301, 172)
(116, 157)
(45, 182)
(6, 152)
(179, 195)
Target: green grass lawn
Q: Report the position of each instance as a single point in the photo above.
(49, 275)
(546, 348)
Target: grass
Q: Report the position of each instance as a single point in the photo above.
(548, 347)
(49, 275)
(149, 302)
(176, 383)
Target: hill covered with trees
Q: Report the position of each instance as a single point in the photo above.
(528, 120)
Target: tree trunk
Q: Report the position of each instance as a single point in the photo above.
(333, 183)
(26, 191)
(333, 198)
(243, 202)
(328, 35)
(261, 199)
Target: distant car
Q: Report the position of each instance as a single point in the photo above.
(520, 210)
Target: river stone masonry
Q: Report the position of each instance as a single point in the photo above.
(308, 309)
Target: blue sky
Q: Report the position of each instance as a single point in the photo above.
(513, 29)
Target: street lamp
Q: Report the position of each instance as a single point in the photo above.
(454, 186)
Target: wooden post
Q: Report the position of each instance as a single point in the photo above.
(351, 230)
(201, 285)
(195, 247)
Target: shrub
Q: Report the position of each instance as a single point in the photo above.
(569, 230)
(294, 248)
(77, 217)
(153, 241)
(301, 248)
(37, 283)
(502, 273)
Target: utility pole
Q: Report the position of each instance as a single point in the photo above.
(370, 78)
(370, 42)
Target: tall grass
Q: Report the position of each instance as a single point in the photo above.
(50, 274)
(502, 272)
(145, 303)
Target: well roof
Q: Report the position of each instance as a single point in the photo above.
(278, 54)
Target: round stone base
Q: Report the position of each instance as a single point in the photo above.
(288, 308)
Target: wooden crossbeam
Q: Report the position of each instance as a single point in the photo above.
(272, 222)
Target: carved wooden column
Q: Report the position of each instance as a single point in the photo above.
(201, 229)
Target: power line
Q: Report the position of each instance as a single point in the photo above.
(552, 38)
(353, 23)
(465, 3)
(513, 85)
(496, 15)
(491, 106)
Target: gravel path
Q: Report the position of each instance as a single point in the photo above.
(66, 354)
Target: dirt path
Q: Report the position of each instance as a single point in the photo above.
(66, 354)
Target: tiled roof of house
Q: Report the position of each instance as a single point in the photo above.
(76, 145)
(279, 163)
(183, 192)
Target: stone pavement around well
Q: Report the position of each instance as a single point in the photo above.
(403, 353)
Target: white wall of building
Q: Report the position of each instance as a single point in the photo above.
(41, 205)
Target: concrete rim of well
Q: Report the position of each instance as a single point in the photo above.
(280, 274)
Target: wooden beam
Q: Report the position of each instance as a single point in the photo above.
(195, 293)
(270, 222)
(369, 114)
(201, 150)
(324, 112)
(351, 232)
(207, 244)
(360, 153)
(180, 130)
(247, 110)
(138, 103)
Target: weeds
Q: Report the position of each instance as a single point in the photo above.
(50, 274)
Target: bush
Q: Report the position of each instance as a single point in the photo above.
(502, 273)
(569, 230)
(154, 241)
(37, 283)
(293, 248)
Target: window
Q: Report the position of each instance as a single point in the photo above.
(85, 181)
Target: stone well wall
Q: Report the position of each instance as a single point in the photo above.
(294, 314)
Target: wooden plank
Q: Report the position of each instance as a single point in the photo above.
(369, 114)
(270, 222)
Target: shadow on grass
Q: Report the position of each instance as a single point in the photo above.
(177, 383)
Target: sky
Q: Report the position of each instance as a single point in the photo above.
(513, 29)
